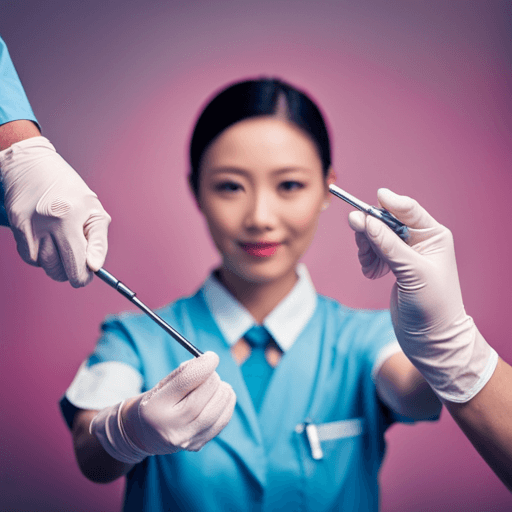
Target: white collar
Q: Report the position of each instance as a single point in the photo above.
(285, 322)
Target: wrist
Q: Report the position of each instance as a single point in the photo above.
(18, 159)
(16, 131)
(108, 427)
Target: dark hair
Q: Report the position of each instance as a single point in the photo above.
(254, 98)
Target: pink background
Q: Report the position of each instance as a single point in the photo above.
(418, 99)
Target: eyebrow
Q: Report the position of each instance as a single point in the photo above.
(296, 168)
(231, 170)
(243, 172)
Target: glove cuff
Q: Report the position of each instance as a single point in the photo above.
(108, 428)
(33, 145)
(464, 370)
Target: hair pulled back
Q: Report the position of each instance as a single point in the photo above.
(252, 98)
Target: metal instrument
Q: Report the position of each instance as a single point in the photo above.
(379, 213)
(130, 295)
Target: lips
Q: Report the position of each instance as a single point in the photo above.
(261, 250)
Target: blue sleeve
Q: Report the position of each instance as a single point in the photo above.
(14, 104)
(381, 335)
(115, 344)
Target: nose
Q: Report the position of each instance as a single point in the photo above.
(261, 214)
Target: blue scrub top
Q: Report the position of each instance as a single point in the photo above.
(14, 105)
(264, 461)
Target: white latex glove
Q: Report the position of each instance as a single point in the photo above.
(57, 221)
(183, 411)
(428, 314)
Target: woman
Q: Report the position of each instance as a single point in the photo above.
(313, 399)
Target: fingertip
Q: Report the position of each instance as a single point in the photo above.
(385, 196)
(209, 361)
(384, 191)
(96, 234)
(86, 281)
(96, 254)
(78, 278)
(211, 355)
(356, 221)
(393, 201)
(94, 262)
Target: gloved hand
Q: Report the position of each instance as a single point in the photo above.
(183, 411)
(57, 221)
(428, 314)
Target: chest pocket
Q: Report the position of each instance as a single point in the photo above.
(316, 434)
(332, 460)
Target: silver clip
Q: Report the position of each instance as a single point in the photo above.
(314, 441)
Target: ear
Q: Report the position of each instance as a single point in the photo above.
(329, 180)
(331, 176)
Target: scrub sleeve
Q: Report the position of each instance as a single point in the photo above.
(14, 105)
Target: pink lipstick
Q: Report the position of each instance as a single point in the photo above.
(262, 250)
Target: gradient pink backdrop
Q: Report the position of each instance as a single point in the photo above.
(418, 99)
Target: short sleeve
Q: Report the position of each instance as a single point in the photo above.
(381, 344)
(379, 341)
(112, 373)
(14, 104)
(116, 343)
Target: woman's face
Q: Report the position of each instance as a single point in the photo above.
(262, 190)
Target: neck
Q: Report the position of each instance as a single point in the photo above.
(258, 298)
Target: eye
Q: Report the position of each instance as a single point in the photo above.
(227, 186)
(289, 186)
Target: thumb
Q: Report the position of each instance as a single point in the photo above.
(421, 225)
(96, 231)
(406, 209)
(182, 381)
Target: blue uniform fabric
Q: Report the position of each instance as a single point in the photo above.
(14, 105)
(262, 461)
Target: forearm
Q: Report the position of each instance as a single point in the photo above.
(16, 131)
(94, 462)
(487, 421)
(404, 390)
